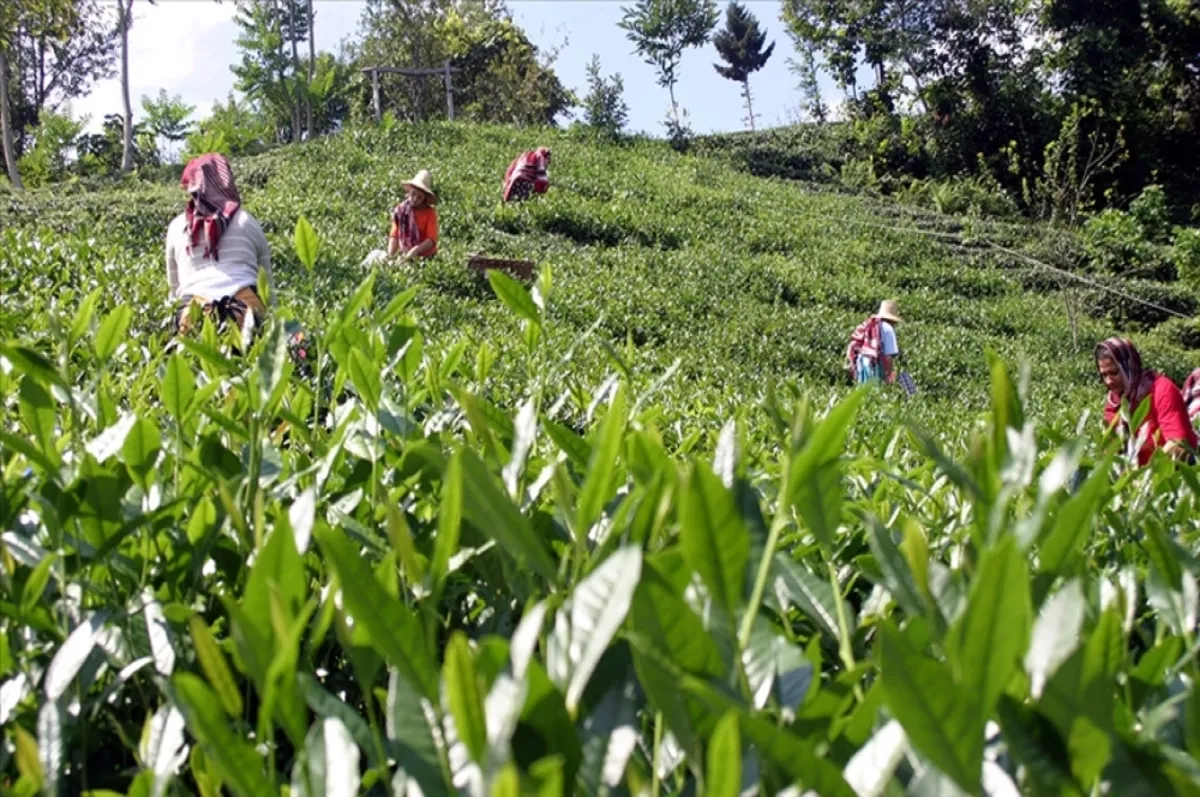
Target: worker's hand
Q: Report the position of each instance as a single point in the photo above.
(1175, 449)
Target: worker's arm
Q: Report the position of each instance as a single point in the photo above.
(420, 249)
(889, 368)
(393, 246)
(1173, 419)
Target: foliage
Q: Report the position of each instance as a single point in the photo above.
(101, 153)
(167, 120)
(330, 92)
(479, 548)
(1075, 162)
(660, 31)
(55, 52)
(744, 49)
(1142, 241)
(502, 78)
(1138, 62)
(813, 105)
(267, 74)
(48, 160)
(1185, 254)
(1040, 97)
(233, 129)
(604, 106)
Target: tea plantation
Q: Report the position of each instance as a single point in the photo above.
(625, 530)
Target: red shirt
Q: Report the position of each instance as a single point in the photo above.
(427, 228)
(1167, 419)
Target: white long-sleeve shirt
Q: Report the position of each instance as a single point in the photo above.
(243, 249)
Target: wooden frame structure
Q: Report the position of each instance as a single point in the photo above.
(445, 70)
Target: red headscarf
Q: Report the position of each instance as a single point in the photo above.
(529, 167)
(214, 200)
(1139, 381)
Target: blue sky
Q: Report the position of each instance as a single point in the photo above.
(186, 47)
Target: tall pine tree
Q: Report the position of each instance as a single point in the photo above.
(741, 45)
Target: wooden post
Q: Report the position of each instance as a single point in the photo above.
(375, 94)
(449, 92)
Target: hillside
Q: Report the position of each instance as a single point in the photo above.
(740, 278)
(488, 541)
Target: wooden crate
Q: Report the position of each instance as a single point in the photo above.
(521, 269)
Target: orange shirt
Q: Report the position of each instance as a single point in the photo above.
(427, 226)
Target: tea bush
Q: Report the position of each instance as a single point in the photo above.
(622, 531)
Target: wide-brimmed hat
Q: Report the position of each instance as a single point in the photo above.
(889, 312)
(424, 181)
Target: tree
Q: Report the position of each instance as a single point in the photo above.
(166, 120)
(50, 52)
(125, 22)
(312, 66)
(54, 138)
(660, 31)
(267, 74)
(805, 71)
(502, 77)
(741, 45)
(330, 90)
(104, 152)
(232, 129)
(604, 107)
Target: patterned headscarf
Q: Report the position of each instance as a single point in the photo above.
(530, 167)
(404, 218)
(1139, 381)
(213, 201)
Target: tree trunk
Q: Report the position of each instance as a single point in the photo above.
(749, 103)
(312, 66)
(280, 58)
(295, 68)
(126, 21)
(674, 105)
(10, 160)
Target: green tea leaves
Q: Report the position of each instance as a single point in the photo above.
(463, 696)
(943, 721)
(306, 244)
(713, 538)
(987, 642)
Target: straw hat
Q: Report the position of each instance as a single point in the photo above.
(423, 181)
(889, 312)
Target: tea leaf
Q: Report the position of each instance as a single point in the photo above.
(111, 333)
(178, 388)
(462, 694)
(50, 744)
(943, 721)
(1055, 635)
(306, 244)
(725, 759)
(712, 537)
(216, 670)
(234, 760)
(989, 639)
(301, 516)
(598, 607)
(488, 509)
(72, 654)
(449, 522)
(393, 630)
(514, 296)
